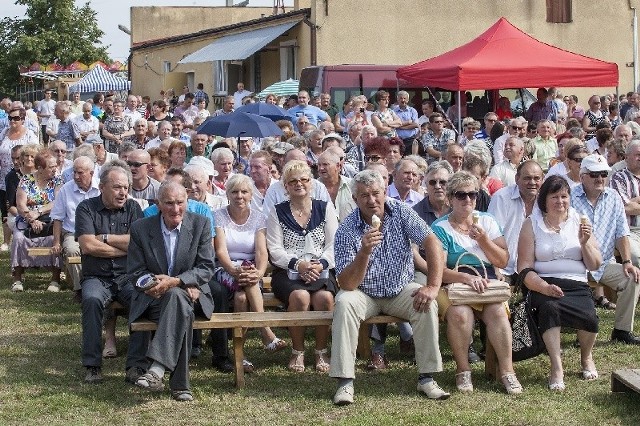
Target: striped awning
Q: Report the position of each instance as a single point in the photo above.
(281, 88)
(99, 80)
(238, 46)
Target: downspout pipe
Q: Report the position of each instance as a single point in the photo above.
(634, 26)
(314, 41)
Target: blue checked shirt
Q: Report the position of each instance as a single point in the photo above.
(608, 220)
(390, 265)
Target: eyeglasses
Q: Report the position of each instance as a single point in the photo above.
(595, 175)
(517, 128)
(136, 164)
(461, 195)
(433, 182)
(14, 118)
(294, 182)
(372, 158)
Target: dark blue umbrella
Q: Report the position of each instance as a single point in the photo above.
(272, 112)
(239, 124)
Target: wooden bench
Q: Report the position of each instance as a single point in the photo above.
(627, 380)
(238, 321)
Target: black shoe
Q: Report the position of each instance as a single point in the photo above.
(196, 351)
(222, 364)
(626, 337)
(473, 356)
(94, 375)
(133, 374)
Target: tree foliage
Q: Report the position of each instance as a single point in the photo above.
(51, 31)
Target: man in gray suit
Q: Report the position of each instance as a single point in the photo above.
(173, 250)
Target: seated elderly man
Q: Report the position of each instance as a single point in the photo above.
(372, 280)
(513, 154)
(173, 250)
(338, 186)
(63, 213)
(102, 229)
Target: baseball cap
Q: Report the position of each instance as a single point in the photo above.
(594, 163)
(94, 139)
(205, 163)
(282, 147)
(333, 136)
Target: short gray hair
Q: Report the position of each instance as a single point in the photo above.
(114, 165)
(460, 179)
(633, 144)
(222, 153)
(84, 161)
(366, 178)
(85, 150)
(436, 166)
(402, 93)
(171, 185)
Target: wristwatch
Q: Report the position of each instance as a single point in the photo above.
(105, 238)
(624, 262)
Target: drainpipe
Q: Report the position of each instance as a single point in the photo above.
(634, 25)
(314, 41)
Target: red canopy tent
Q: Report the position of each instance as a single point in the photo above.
(506, 57)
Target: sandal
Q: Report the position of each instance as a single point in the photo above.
(109, 352)
(589, 375)
(322, 365)
(248, 367)
(275, 345)
(296, 362)
(463, 381)
(605, 303)
(557, 386)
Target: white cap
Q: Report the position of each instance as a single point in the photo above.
(205, 163)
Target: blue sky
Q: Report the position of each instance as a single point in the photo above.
(114, 12)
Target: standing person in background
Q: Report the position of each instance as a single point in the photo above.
(46, 111)
(240, 94)
(200, 95)
(409, 128)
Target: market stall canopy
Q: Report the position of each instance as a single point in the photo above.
(281, 88)
(503, 57)
(99, 80)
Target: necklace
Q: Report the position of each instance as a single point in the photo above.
(555, 229)
(298, 212)
(459, 226)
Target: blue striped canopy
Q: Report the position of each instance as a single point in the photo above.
(99, 80)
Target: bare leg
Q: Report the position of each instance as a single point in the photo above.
(551, 339)
(587, 340)
(254, 297)
(322, 301)
(499, 334)
(459, 328)
(6, 233)
(17, 273)
(299, 300)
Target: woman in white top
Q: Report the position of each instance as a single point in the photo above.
(555, 250)
(241, 250)
(300, 236)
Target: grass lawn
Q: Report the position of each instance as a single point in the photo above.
(41, 381)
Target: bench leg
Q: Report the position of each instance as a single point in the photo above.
(364, 344)
(617, 385)
(238, 356)
(491, 361)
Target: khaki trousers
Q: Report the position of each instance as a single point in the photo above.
(70, 248)
(353, 307)
(628, 291)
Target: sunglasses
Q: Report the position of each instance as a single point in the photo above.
(578, 159)
(517, 128)
(595, 175)
(136, 164)
(372, 158)
(14, 118)
(441, 182)
(461, 195)
(297, 181)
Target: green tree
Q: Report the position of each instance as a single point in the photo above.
(50, 31)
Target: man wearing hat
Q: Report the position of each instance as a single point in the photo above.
(604, 208)
(102, 156)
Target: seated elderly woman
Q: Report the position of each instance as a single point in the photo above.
(555, 251)
(177, 153)
(223, 160)
(241, 249)
(300, 236)
(34, 200)
(461, 231)
(159, 164)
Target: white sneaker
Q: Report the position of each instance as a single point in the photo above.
(433, 391)
(17, 286)
(54, 287)
(344, 395)
(4, 247)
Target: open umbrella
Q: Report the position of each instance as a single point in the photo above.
(281, 88)
(272, 112)
(239, 124)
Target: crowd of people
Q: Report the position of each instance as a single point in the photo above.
(368, 209)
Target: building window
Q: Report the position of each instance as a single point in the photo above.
(559, 11)
(166, 67)
(288, 60)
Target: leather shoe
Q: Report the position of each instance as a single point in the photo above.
(473, 355)
(377, 362)
(344, 395)
(626, 337)
(222, 364)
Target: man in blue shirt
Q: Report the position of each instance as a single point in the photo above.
(314, 114)
(410, 128)
(374, 264)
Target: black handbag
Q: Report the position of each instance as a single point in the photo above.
(526, 341)
(46, 231)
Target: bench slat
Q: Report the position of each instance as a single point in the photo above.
(627, 380)
(39, 251)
